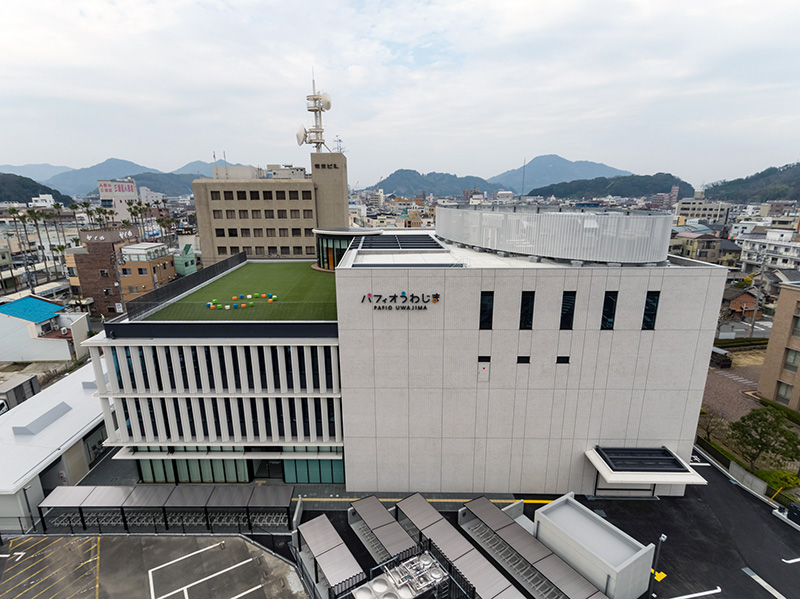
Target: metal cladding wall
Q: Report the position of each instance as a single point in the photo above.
(590, 236)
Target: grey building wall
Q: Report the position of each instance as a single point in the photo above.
(421, 413)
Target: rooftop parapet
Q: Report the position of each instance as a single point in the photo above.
(624, 237)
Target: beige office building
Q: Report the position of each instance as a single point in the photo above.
(272, 212)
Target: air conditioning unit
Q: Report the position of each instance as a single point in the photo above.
(64, 330)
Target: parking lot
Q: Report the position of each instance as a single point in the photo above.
(123, 567)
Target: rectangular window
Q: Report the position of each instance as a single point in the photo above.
(126, 271)
(245, 232)
(487, 310)
(283, 232)
(285, 250)
(234, 249)
(308, 232)
(609, 311)
(310, 250)
(270, 232)
(254, 195)
(783, 393)
(280, 195)
(562, 359)
(228, 195)
(281, 213)
(484, 358)
(233, 233)
(269, 214)
(294, 214)
(214, 195)
(222, 250)
(306, 194)
(295, 232)
(297, 250)
(567, 310)
(308, 214)
(650, 310)
(217, 213)
(791, 360)
(104, 273)
(293, 195)
(244, 213)
(523, 359)
(241, 195)
(526, 311)
(230, 214)
(219, 232)
(256, 213)
(267, 195)
(258, 232)
(248, 251)
(272, 250)
(142, 271)
(259, 250)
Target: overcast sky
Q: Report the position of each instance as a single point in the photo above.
(704, 89)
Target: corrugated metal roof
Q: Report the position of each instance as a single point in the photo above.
(31, 309)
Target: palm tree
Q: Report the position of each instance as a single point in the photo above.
(30, 277)
(35, 216)
(74, 207)
(45, 216)
(57, 221)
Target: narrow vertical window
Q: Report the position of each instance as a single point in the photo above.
(609, 311)
(650, 309)
(526, 311)
(567, 310)
(487, 309)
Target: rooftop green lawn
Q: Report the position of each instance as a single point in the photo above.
(302, 294)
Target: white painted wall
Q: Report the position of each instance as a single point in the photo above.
(21, 342)
(417, 417)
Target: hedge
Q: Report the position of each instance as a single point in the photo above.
(792, 415)
(743, 342)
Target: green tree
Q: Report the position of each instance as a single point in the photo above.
(712, 422)
(765, 433)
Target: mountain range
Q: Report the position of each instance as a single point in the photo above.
(551, 168)
(630, 186)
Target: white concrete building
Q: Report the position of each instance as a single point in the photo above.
(778, 248)
(48, 441)
(36, 329)
(505, 366)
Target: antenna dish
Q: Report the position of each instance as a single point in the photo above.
(325, 101)
(301, 135)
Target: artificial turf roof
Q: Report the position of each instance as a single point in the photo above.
(302, 294)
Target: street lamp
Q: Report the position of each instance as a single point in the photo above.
(661, 539)
(28, 503)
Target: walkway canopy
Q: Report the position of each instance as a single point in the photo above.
(640, 469)
(163, 507)
(331, 556)
(387, 532)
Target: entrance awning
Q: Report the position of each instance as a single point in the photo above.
(642, 466)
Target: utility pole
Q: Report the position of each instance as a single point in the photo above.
(759, 291)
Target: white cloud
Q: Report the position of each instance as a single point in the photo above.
(706, 90)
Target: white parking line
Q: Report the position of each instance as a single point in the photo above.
(246, 592)
(791, 561)
(175, 561)
(702, 594)
(769, 588)
(185, 589)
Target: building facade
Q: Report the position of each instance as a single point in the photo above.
(446, 368)
(779, 381)
(710, 212)
(267, 216)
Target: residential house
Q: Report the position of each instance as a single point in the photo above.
(33, 328)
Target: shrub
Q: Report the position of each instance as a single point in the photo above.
(779, 478)
(791, 414)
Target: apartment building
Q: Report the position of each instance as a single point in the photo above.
(779, 380)
(710, 212)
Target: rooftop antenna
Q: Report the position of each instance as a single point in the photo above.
(317, 104)
(337, 144)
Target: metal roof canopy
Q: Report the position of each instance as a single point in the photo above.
(189, 496)
(417, 509)
(394, 538)
(487, 580)
(107, 497)
(230, 496)
(569, 582)
(372, 512)
(148, 496)
(524, 543)
(449, 540)
(320, 535)
(488, 513)
(645, 475)
(66, 497)
(338, 565)
(271, 497)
